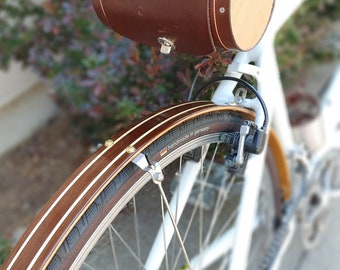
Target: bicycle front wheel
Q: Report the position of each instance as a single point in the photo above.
(111, 214)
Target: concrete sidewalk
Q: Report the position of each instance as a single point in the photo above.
(326, 256)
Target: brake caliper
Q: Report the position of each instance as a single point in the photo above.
(249, 140)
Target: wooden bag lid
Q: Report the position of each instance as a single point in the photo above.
(239, 24)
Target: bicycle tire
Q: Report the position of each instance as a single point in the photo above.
(62, 235)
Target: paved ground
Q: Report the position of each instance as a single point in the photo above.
(326, 256)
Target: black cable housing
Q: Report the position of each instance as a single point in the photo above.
(247, 85)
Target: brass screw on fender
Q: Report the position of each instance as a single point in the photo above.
(130, 149)
(109, 143)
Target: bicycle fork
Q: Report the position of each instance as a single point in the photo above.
(249, 139)
(174, 209)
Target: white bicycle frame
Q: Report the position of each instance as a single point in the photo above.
(270, 88)
(266, 72)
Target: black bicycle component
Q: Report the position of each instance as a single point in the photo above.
(256, 140)
(245, 84)
(249, 140)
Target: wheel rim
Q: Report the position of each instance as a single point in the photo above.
(201, 236)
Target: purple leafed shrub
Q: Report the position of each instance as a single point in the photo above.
(104, 79)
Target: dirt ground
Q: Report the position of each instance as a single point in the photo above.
(34, 170)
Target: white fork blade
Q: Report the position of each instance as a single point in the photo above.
(216, 250)
(177, 204)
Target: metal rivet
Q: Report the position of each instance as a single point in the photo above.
(222, 10)
(130, 149)
(109, 143)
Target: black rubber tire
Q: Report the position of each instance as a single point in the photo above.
(211, 128)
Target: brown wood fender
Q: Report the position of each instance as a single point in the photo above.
(52, 225)
(280, 164)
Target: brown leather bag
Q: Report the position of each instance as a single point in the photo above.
(192, 26)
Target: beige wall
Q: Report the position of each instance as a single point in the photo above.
(15, 82)
(25, 105)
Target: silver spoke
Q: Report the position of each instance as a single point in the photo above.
(220, 203)
(174, 224)
(184, 219)
(136, 225)
(157, 251)
(113, 248)
(134, 255)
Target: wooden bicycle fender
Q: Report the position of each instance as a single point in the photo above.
(281, 164)
(52, 225)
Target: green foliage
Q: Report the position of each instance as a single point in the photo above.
(302, 40)
(4, 249)
(106, 80)
(102, 78)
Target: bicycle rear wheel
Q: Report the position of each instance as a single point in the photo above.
(110, 214)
